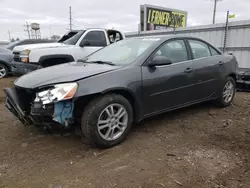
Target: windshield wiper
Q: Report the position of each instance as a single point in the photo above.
(98, 62)
(103, 62)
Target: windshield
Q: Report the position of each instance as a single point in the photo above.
(73, 40)
(123, 52)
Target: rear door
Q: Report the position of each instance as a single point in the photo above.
(208, 69)
(168, 86)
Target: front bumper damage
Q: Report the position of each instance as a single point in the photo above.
(21, 103)
(20, 68)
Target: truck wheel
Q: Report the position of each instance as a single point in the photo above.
(227, 93)
(106, 121)
(3, 71)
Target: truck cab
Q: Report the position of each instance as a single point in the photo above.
(81, 44)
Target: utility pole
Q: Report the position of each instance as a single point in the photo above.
(9, 35)
(27, 29)
(70, 19)
(215, 7)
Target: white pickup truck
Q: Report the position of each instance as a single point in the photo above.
(83, 42)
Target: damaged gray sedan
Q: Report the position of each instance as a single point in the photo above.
(121, 84)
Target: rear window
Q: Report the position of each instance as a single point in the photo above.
(213, 51)
(199, 49)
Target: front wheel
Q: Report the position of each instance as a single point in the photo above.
(3, 71)
(106, 120)
(227, 93)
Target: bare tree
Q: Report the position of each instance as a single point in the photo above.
(55, 37)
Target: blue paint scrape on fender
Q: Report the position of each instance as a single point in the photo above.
(63, 111)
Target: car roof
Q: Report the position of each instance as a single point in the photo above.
(35, 39)
(166, 37)
(76, 30)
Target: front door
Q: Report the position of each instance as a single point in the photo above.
(166, 87)
(96, 40)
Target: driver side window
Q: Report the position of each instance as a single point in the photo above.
(95, 38)
(174, 50)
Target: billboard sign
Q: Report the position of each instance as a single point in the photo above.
(156, 18)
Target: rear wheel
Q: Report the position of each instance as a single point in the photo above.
(3, 71)
(227, 93)
(106, 120)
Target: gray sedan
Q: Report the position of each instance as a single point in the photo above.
(6, 58)
(124, 83)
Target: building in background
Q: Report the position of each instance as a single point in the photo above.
(157, 18)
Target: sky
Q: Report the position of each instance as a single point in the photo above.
(53, 15)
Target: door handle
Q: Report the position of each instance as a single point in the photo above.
(220, 63)
(189, 70)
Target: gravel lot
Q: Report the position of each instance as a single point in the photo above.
(197, 147)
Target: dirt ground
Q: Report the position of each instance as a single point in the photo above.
(197, 147)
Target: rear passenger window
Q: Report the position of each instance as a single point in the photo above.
(175, 51)
(199, 49)
(213, 51)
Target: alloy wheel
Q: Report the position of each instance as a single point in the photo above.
(112, 122)
(228, 92)
(3, 71)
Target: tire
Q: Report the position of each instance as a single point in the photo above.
(222, 101)
(4, 71)
(95, 111)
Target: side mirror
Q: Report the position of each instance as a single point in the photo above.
(84, 43)
(159, 61)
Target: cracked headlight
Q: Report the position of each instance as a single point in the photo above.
(58, 93)
(24, 56)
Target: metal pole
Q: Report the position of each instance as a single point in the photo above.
(27, 29)
(9, 35)
(50, 30)
(139, 29)
(215, 6)
(226, 30)
(70, 19)
(174, 27)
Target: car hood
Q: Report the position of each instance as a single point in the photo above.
(68, 72)
(39, 46)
